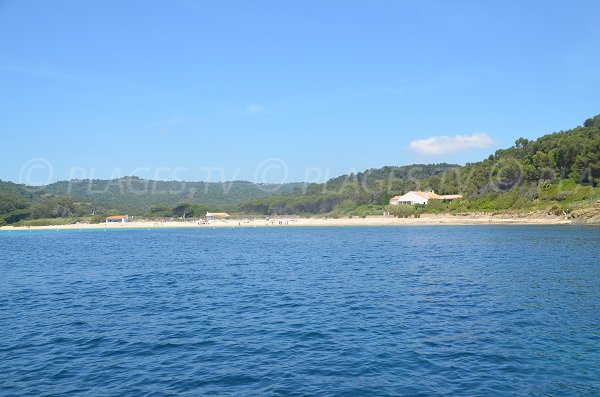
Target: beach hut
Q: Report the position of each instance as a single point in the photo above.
(422, 198)
(211, 216)
(117, 219)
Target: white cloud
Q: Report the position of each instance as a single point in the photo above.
(439, 145)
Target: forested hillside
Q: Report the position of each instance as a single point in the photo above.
(94, 199)
(361, 193)
(559, 171)
(556, 172)
(19, 202)
(138, 196)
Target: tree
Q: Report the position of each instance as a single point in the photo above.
(182, 210)
(521, 142)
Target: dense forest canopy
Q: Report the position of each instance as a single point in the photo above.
(135, 195)
(373, 187)
(128, 195)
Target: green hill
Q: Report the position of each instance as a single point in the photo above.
(359, 194)
(70, 200)
(134, 195)
(556, 173)
(15, 201)
(20, 202)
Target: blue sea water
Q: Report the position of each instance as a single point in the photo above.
(389, 311)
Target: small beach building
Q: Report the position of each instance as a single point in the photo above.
(117, 219)
(418, 197)
(211, 216)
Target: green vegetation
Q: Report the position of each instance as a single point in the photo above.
(181, 210)
(19, 202)
(349, 194)
(133, 195)
(559, 170)
(50, 221)
(93, 200)
(557, 173)
(405, 211)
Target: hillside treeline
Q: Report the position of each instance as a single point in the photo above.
(557, 171)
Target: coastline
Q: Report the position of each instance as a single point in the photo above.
(424, 220)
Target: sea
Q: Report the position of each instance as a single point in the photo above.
(301, 311)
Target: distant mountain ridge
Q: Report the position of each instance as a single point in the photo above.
(138, 196)
(135, 195)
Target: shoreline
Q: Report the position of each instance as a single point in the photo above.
(424, 220)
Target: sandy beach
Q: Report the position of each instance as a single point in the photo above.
(424, 220)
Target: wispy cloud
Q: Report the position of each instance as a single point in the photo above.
(439, 145)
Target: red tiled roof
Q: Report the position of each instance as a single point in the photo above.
(117, 217)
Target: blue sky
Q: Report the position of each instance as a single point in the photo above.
(284, 90)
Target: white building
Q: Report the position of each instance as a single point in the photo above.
(117, 219)
(413, 198)
(211, 216)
